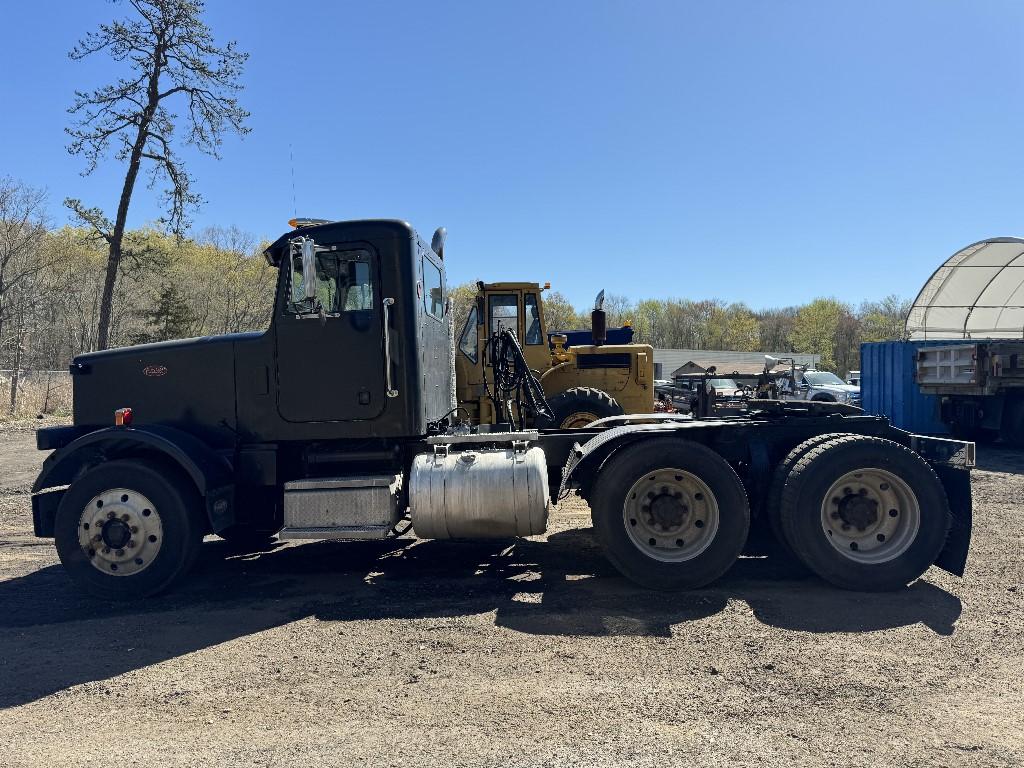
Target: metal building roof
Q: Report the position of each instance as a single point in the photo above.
(977, 293)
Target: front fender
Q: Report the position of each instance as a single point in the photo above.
(211, 472)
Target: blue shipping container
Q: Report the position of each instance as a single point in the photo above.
(889, 386)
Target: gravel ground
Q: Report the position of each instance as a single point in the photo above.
(524, 653)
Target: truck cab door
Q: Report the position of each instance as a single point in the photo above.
(330, 352)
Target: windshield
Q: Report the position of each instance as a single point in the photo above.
(822, 378)
(724, 384)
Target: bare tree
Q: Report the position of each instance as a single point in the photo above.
(22, 227)
(171, 57)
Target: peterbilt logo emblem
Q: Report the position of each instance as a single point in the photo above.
(154, 370)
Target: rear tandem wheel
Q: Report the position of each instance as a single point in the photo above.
(670, 514)
(864, 513)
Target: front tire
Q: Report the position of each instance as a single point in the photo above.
(670, 514)
(579, 406)
(129, 529)
(865, 513)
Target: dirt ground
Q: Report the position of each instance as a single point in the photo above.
(526, 654)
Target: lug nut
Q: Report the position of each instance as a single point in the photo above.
(106, 550)
(862, 492)
(847, 491)
(836, 499)
(134, 529)
(125, 517)
(97, 537)
(835, 515)
(845, 526)
(131, 544)
(110, 515)
(119, 552)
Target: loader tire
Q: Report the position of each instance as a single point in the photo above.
(577, 407)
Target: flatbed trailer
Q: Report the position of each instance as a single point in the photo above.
(338, 423)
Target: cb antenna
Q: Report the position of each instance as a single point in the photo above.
(291, 157)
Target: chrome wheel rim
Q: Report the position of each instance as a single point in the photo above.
(670, 515)
(120, 532)
(870, 516)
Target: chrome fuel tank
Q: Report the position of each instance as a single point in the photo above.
(479, 493)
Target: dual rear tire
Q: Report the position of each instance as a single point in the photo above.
(863, 513)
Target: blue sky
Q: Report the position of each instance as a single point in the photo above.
(765, 152)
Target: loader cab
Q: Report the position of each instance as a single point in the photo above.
(360, 331)
(517, 306)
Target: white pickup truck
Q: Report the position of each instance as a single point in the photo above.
(819, 386)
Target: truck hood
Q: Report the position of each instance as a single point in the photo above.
(158, 348)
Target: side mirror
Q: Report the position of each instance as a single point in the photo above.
(309, 268)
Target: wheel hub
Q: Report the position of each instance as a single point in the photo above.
(870, 515)
(667, 511)
(670, 515)
(120, 532)
(858, 511)
(116, 534)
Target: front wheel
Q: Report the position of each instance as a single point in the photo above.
(865, 513)
(670, 514)
(128, 529)
(579, 406)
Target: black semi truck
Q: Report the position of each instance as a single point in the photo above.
(338, 422)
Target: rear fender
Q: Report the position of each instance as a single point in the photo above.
(586, 460)
(209, 471)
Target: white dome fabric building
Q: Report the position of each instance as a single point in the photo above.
(977, 293)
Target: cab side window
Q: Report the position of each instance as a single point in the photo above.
(467, 341)
(533, 334)
(433, 290)
(343, 284)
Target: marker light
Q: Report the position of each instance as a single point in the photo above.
(547, 286)
(122, 417)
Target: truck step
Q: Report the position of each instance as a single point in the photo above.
(354, 507)
(336, 532)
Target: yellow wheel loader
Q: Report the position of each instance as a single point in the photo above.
(582, 383)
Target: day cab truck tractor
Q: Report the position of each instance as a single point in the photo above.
(337, 422)
(582, 383)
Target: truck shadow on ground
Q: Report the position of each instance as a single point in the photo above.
(53, 637)
(1000, 459)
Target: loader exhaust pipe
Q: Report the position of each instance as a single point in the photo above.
(599, 321)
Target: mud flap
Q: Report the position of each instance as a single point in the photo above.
(44, 512)
(957, 482)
